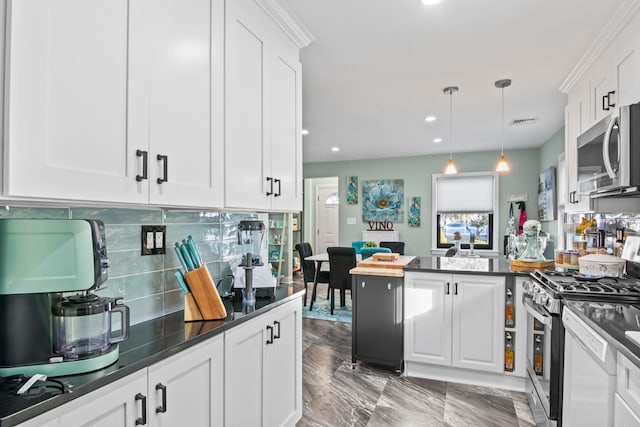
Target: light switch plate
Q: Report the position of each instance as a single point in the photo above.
(351, 221)
(153, 239)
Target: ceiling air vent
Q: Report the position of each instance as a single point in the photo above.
(520, 122)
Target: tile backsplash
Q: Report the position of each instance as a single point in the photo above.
(610, 222)
(147, 283)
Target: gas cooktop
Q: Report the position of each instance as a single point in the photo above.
(575, 286)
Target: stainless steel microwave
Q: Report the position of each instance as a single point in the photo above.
(609, 154)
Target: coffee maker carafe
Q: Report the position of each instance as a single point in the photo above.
(51, 321)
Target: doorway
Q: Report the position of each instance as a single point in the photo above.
(327, 205)
(321, 213)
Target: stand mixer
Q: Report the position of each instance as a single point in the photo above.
(534, 247)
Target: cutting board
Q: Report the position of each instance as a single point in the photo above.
(517, 265)
(400, 263)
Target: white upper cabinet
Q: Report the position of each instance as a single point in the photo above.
(115, 101)
(263, 119)
(67, 101)
(186, 104)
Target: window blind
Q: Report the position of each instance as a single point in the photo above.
(474, 193)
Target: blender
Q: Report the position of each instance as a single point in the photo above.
(250, 236)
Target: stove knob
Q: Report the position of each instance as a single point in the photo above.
(543, 299)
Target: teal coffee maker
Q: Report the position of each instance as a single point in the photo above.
(51, 321)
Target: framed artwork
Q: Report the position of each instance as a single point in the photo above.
(352, 190)
(414, 211)
(547, 195)
(382, 200)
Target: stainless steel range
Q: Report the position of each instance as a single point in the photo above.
(543, 296)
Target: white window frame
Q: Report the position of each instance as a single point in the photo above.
(435, 251)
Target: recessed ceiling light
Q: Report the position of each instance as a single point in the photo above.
(430, 2)
(437, 140)
(430, 119)
(335, 149)
(305, 132)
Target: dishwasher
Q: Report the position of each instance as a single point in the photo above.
(589, 375)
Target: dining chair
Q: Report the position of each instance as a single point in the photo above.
(396, 247)
(367, 252)
(341, 260)
(309, 271)
(357, 245)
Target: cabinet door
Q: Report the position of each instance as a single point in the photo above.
(575, 112)
(625, 64)
(245, 174)
(114, 405)
(600, 86)
(286, 128)
(428, 318)
(244, 362)
(186, 102)
(623, 416)
(378, 318)
(478, 322)
(283, 367)
(188, 386)
(69, 128)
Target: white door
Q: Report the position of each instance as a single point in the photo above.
(427, 318)
(478, 322)
(327, 209)
(188, 386)
(72, 128)
(283, 367)
(186, 103)
(244, 360)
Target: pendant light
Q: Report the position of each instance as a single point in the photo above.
(450, 90)
(503, 166)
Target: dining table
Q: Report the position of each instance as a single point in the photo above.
(319, 259)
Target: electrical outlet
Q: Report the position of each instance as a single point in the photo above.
(153, 239)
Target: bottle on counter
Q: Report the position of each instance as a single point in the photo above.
(538, 357)
(509, 319)
(508, 354)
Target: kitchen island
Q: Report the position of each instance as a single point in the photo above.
(211, 349)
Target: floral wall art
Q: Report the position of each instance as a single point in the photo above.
(414, 211)
(382, 200)
(352, 190)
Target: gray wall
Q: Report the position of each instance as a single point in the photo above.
(416, 172)
(549, 153)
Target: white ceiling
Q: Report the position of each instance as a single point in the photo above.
(378, 67)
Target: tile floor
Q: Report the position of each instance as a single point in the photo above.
(336, 395)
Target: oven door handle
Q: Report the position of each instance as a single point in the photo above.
(605, 148)
(536, 313)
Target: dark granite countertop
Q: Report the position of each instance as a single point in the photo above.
(611, 320)
(148, 343)
(488, 266)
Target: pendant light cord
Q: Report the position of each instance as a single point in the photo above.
(451, 124)
(502, 141)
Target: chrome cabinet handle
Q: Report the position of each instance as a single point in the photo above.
(141, 421)
(162, 408)
(362, 284)
(270, 180)
(389, 286)
(143, 154)
(165, 167)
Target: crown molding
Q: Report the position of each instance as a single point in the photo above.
(610, 31)
(284, 17)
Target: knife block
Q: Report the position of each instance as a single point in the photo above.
(203, 302)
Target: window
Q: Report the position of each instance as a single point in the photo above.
(465, 208)
(333, 199)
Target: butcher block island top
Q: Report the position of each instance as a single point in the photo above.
(378, 267)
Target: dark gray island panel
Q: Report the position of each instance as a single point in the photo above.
(378, 313)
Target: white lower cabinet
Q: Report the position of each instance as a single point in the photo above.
(627, 397)
(264, 359)
(186, 388)
(455, 320)
(623, 415)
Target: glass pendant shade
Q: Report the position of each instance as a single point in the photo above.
(451, 168)
(503, 166)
